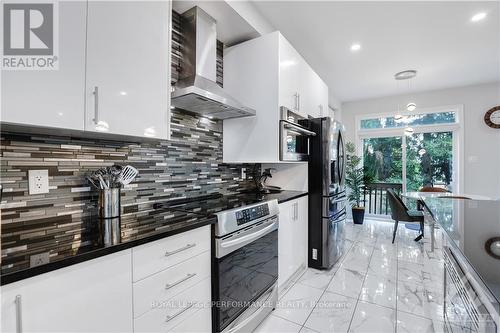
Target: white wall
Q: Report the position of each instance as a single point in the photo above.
(250, 14)
(288, 176)
(482, 143)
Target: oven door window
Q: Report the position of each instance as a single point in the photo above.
(296, 143)
(244, 275)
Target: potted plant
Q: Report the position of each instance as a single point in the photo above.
(355, 181)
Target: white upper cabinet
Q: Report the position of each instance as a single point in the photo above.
(113, 76)
(316, 95)
(266, 73)
(127, 87)
(290, 75)
(51, 98)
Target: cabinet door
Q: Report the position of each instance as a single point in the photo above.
(311, 93)
(323, 99)
(290, 65)
(285, 243)
(52, 98)
(301, 230)
(94, 296)
(128, 86)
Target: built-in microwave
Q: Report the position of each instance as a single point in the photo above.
(294, 136)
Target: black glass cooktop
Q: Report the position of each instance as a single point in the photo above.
(211, 204)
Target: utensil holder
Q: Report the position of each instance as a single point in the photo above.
(110, 229)
(109, 203)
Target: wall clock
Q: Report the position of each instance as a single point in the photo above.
(492, 117)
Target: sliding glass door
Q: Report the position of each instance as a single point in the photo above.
(429, 160)
(414, 160)
(409, 152)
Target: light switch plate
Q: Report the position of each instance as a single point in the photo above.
(38, 181)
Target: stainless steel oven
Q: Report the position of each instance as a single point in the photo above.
(294, 136)
(245, 266)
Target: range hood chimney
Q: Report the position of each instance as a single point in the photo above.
(197, 90)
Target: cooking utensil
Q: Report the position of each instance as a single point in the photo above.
(128, 174)
(104, 185)
(92, 181)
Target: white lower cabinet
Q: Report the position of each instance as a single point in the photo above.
(166, 315)
(292, 246)
(164, 253)
(200, 321)
(94, 296)
(171, 291)
(164, 285)
(172, 285)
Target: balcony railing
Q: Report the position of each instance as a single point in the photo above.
(375, 198)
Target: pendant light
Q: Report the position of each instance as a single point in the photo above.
(408, 76)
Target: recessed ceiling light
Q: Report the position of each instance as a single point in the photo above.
(478, 17)
(411, 106)
(355, 47)
(405, 75)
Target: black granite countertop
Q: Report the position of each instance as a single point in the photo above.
(133, 229)
(285, 196)
(112, 236)
(469, 224)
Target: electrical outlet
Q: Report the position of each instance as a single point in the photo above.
(38, 181)
(39, 259)
(243, 173)
(315, 254)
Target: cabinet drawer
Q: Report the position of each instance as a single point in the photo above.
(164, 285)
(201, 321)
(157, 256)
(169, 314)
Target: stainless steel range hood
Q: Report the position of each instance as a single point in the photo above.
(196, 90)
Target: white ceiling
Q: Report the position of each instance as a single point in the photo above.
(436, 38)
(231, 27)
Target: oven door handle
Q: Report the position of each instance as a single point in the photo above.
(228, 246)
(297, 128)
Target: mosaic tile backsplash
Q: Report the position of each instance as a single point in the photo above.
(188, 165)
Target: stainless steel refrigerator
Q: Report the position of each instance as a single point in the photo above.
(327, 193)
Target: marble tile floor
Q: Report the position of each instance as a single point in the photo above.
(375, 287)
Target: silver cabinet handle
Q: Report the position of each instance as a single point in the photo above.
(173, 284)
(178, 313)
(96, 104)
(188, 246)
(19, 314)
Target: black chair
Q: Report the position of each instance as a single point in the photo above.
(399, 212)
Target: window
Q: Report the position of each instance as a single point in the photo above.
(409, 120)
